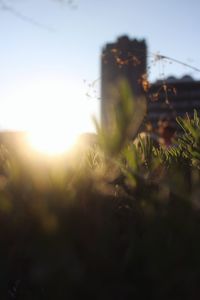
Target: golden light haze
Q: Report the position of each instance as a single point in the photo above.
(54, 112)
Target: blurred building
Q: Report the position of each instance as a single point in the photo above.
(171, 98)
(166, 99)
(125, 59)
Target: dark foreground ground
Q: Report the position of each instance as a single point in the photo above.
(88, 230)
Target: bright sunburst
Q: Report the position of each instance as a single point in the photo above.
(53, 112)
(52, 143)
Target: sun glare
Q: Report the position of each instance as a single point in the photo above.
(52, 143)
(53, 112)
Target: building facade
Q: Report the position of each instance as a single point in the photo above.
(172, 98)
(125, 59)
(166, 99)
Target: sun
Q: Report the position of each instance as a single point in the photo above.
(52, 112)
(51, 142)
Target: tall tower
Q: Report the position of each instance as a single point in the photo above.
(125, 59)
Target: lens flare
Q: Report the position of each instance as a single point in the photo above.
(52, 143)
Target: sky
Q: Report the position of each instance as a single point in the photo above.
(50, 54)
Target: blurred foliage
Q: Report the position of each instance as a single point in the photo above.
(126, 115)
(119, 219)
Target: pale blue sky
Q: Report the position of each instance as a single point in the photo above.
(66, 50)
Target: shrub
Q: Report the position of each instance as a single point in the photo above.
(121, 222)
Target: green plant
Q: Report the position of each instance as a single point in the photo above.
(120, 219)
